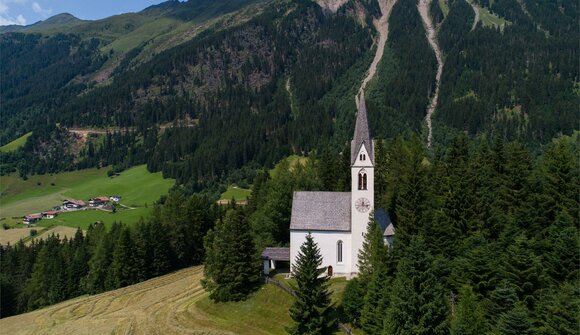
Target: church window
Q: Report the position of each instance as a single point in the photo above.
(339, 252)
(362, 180)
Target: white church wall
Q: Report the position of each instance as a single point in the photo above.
(327, 243)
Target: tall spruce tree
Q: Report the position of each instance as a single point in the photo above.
(311, 311)
(418, 305)
(516, 321)
(469, 318)
(413, 203)
(232, 270)
(374, 276)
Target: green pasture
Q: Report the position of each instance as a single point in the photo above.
(236, 192)
(138, 188)
(17, 143)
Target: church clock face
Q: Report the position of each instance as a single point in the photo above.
(362, 205)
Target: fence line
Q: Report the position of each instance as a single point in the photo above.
(290, 291)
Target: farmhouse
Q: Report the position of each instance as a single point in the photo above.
(98, 201)
(31, 219)
(72, 204)
(338, 220)
(49, 215)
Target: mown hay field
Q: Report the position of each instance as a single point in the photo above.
(171, 304)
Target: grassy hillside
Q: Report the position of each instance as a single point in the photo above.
(171, 304)
(17, 143)
(137, 187)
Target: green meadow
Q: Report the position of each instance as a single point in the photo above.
(236, 192)
(138, 188)
(17, 143)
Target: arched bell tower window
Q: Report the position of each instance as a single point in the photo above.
(362, 180)
(362, 157)
(339, 251)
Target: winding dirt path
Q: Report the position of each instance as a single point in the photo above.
(382, 27)
(423, 7)
(476, 11)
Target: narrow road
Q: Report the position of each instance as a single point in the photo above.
(382, 27)
(476, 11)
(423, 7)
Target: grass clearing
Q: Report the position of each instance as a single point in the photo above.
(236, 192)
(491, 20)
(444, 6)
(16, 144)
(292, 160)
(265, 312)
(138, 188)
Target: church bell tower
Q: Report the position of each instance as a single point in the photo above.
(362, 179)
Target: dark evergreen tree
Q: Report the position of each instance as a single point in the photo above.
(418, 303)
(503, 298)
(469, 318)
(231, 269)
(558, 310)
(516, 321)
(311, 310)
(413, 202)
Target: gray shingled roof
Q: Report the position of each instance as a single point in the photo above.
(321, 211)
(384, 221)
(362, 134)
(276, 254)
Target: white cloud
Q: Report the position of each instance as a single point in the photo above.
(6, 20)
(39, 10)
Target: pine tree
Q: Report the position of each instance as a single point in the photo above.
(311, 310)
(123, 270)
(558, 310)
(376, 300)
(503, 298)
(469, 318)
(516, 321)
(522, 269)
(373, 249)
(381, 174)
(231, 268)
(374, 274)
(417, 304)
(561, 181)
(562, 255)
(411, 211)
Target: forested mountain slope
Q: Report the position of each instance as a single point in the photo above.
(247, 82)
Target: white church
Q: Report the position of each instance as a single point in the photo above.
(338, 220)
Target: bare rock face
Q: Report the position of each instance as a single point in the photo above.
(331, 5)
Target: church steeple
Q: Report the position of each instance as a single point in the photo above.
(362, 134)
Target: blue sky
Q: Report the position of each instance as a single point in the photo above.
(26, 12)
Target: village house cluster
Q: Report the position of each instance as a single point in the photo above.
(68, 205)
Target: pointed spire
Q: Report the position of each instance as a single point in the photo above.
(362, 134)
